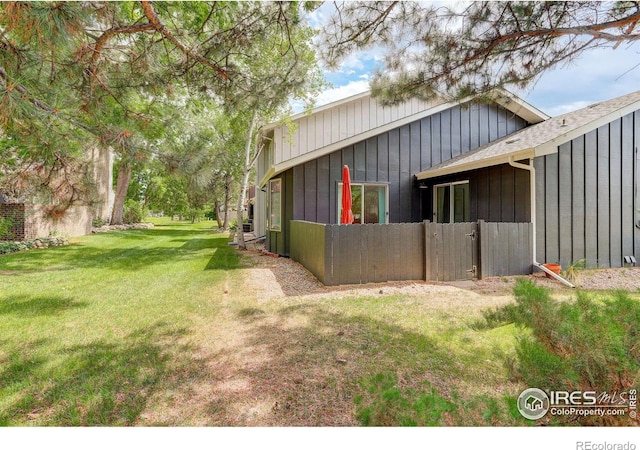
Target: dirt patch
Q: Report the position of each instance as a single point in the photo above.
(283, 352)
(278, 277)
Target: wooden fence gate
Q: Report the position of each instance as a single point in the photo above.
(451, 251)
(464, 251)
(375, 253)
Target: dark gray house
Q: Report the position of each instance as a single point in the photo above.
(582, 172)
(574, 177)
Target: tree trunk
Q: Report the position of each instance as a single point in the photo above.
(122, 185)
(217, 207)
(248, 163)
(227, 200)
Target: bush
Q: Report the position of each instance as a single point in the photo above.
(387, 404)
(17, 246)
(10, 247)
(210, 215)
(588, 344)
(98, 222)
(6, 225)
(133, 212)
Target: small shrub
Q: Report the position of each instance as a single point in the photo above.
(210, 215)
(387, 404)
(9, 247)
(17, 246)
(133, 212)
(6, 226)
(572, 273)
(98, 222)
(589, 344)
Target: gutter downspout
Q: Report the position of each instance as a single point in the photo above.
(532, 188)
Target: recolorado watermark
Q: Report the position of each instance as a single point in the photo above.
(588, 445)
(534, 404)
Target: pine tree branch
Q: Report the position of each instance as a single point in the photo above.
(107, 35)
(154, 20)
(42, 106)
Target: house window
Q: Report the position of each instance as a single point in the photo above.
(451, 202)
(368, 203)
(275, 204)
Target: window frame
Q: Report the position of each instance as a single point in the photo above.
(451, 200)
(378, 185)
(270, 216)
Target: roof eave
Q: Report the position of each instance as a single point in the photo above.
(477, 164)
(551, 146)
(520, 107)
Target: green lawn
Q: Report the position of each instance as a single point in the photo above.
(164, 327)
(89, 331)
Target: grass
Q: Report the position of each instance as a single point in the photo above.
(90, 331)
(164, 327)
(404, 362)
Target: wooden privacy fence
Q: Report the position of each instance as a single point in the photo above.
(369, 253)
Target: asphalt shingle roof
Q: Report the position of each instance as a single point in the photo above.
(539, 139)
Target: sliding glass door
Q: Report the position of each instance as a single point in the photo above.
(451, 202)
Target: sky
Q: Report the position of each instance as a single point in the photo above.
(599, 74)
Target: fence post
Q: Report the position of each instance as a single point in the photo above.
(427, 250)
(479, 247)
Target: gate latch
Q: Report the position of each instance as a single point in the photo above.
(472, 235)
(473, 270)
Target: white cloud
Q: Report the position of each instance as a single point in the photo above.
(355, 62)
(342, 92)
(600, 74)
(566, 107)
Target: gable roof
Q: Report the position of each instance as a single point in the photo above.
(346, 122)
(540, 139)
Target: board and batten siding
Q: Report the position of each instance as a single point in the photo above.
(394, 157)
(496, 194)
(585, 205)
(263, 163)
(279, 241)
(336, 124)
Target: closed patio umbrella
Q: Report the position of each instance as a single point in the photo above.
(347, 216)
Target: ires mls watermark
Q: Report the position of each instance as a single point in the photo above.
(534, 403)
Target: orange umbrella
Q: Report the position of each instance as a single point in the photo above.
(347, 215)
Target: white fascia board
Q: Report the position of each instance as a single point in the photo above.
(318, 153)
(474, 165)
(266, 177)
(523, 109)
(552, 145)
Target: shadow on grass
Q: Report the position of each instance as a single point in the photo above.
(18, 368)
(309, 366)
(100, 383)
(302, 365)
(112, 253)
(225, 258)
(33, 306)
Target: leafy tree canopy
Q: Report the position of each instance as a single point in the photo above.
(77, 74)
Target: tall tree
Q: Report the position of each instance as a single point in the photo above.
(86, 72)
(281, 67)
(458, 49)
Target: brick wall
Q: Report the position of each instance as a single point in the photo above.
(32, 221)
(16, 213)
